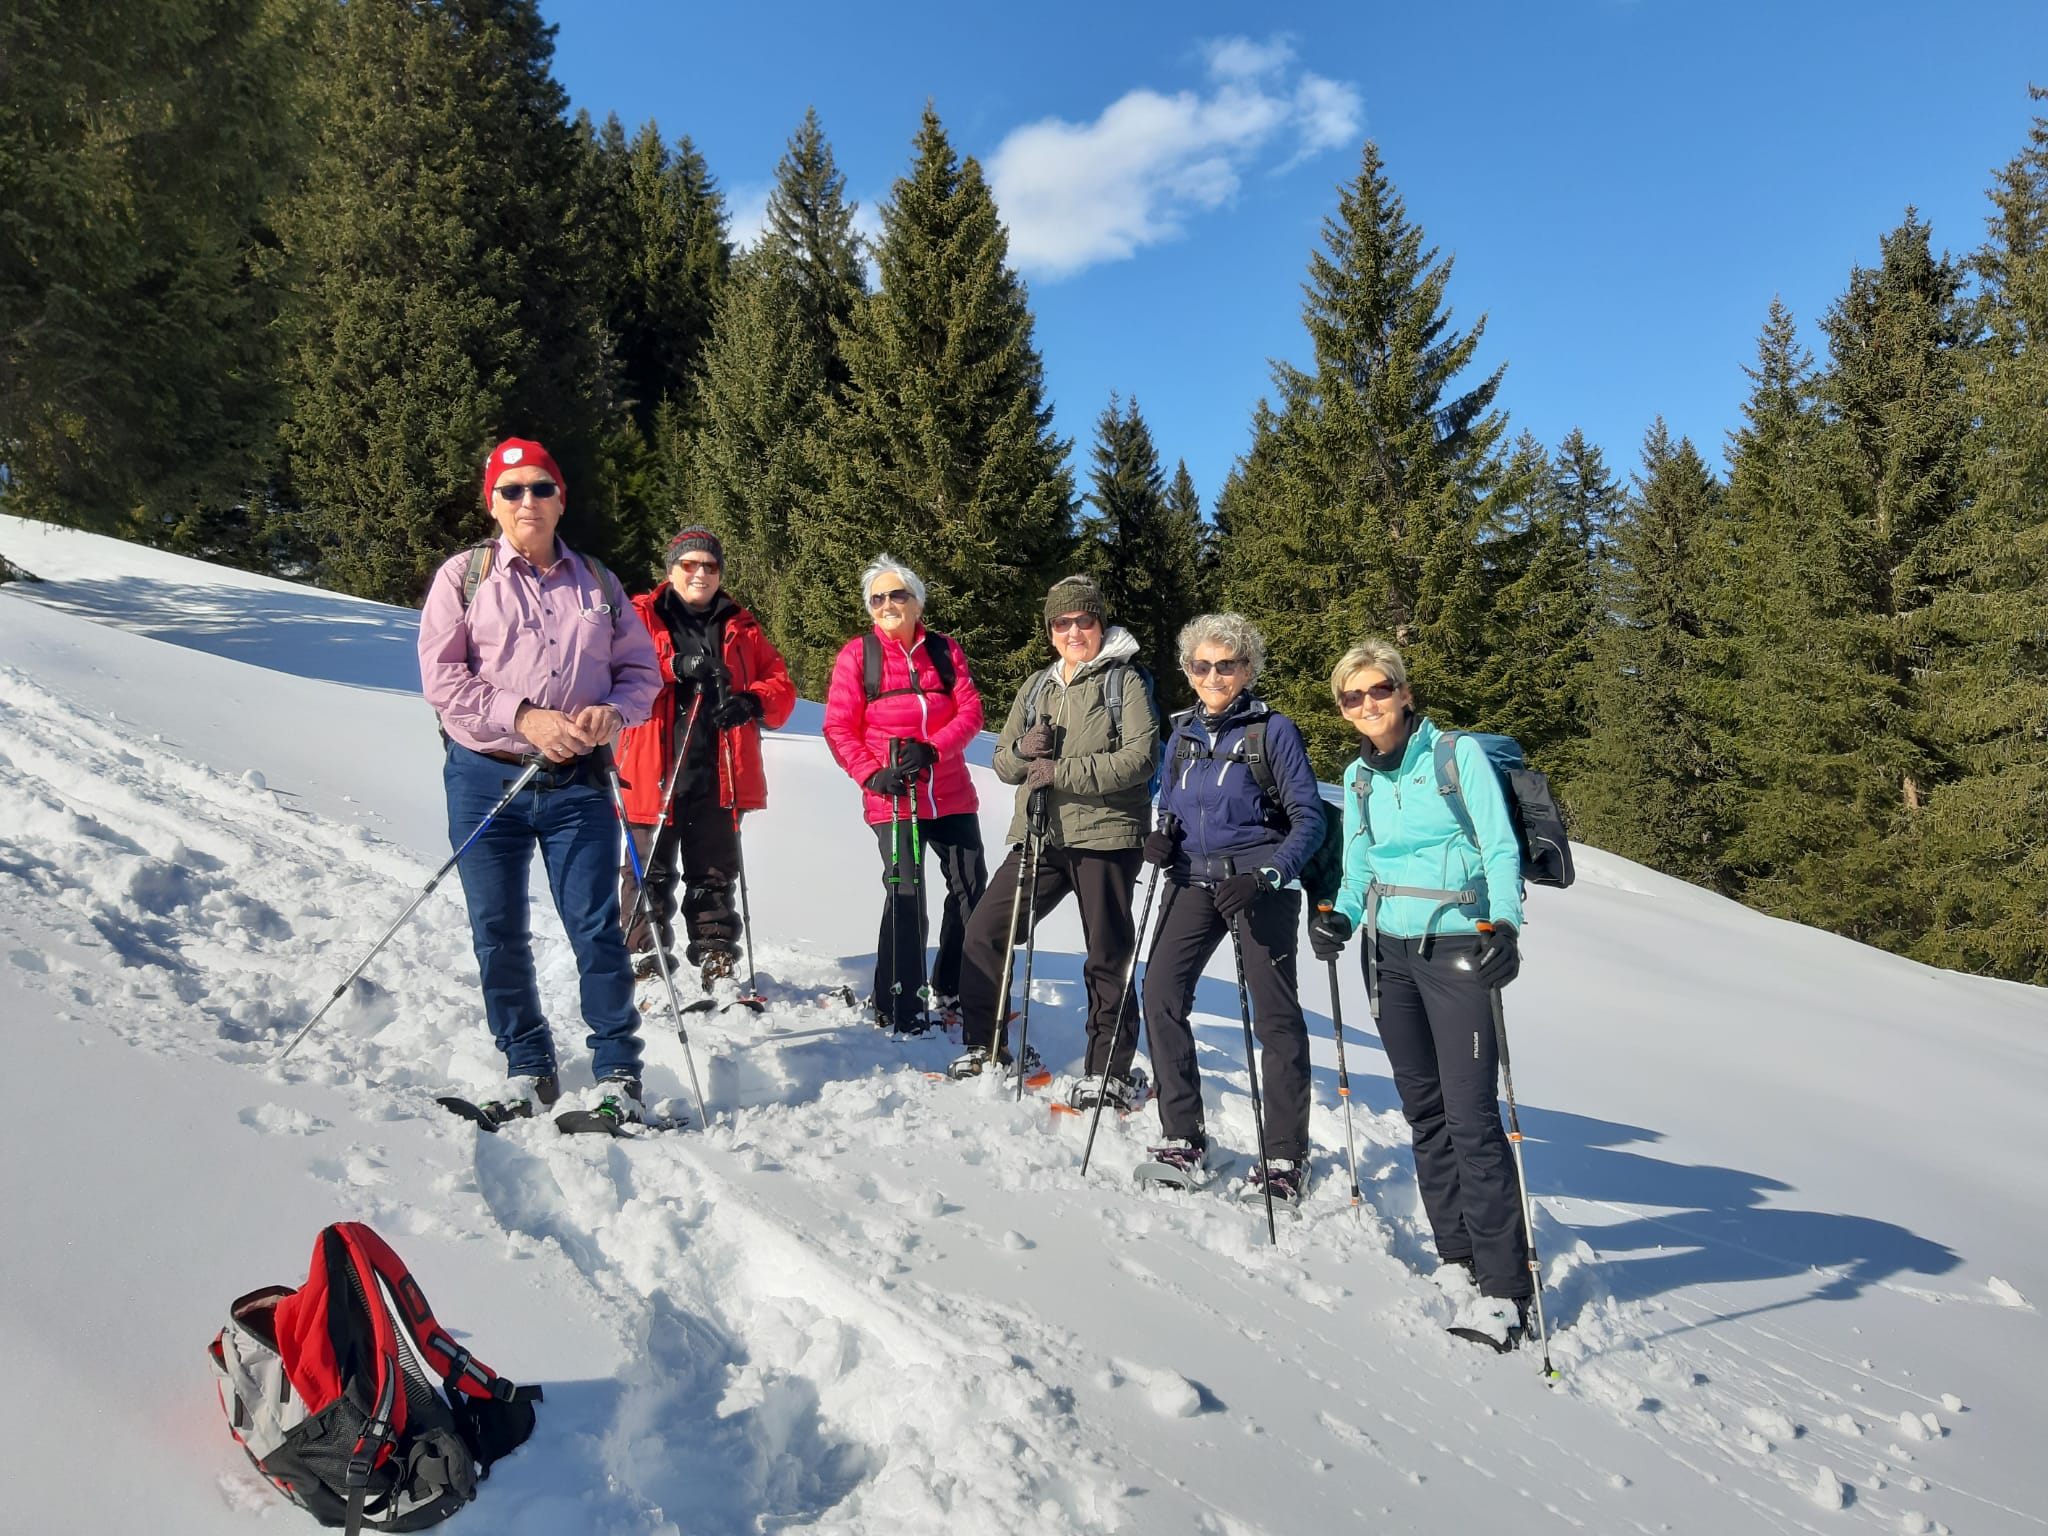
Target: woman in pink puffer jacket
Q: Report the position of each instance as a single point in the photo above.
(899, 713)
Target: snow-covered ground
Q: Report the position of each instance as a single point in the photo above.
(1794, 1204)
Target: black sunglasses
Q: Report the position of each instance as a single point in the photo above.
(543, 490)
(899, 597)
(1067, 621)
(1229, 667)
(1354, 698)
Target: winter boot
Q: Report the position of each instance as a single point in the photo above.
(717, 967)
(520, 1096)
(1122, 1094)
(1457, 1279)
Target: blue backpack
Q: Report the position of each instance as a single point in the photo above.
(1532, 809)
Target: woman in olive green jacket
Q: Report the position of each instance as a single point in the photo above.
(1090, 767)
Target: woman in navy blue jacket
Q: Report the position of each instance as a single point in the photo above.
(1231, 850)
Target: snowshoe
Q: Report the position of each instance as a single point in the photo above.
(1125, 1095)
(516, 1100)
(1288, 1180)
(974, 1063)
(1500, 1323)
(647, 965)
(716, 966)
(1181, 1164)
(616, 1105)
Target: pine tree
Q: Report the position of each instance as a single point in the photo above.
(1196, 538)
(1988, 688)
(1361, 506)
(1140, 553)
(139, 144)
(943, 451)
(1648, 786)
(441, 288)
(757, 454)
(1891, 493)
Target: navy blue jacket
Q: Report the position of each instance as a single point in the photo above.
(1210, 788)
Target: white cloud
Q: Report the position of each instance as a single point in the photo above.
(1074, 194)
(746, 209)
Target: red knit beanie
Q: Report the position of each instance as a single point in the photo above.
(518, 453)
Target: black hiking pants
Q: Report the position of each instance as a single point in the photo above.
(955, 843)
(700, 836)
(1436, 1025)
(1101, 881)
(1189, 933)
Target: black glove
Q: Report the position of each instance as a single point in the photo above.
(1036, 742)
(892, 782)
(909, 753)
(1039, 774)
(1500, 955)
(1328, 932)
(736, 710)
(1236, 894)
(695, 667)
(1161, 843)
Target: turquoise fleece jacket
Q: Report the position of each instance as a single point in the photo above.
(1417, 840)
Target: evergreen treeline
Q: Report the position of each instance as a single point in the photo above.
(274, 274)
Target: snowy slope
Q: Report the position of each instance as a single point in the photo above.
(1791, 1199)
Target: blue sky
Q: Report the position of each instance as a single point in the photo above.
(1624, 186)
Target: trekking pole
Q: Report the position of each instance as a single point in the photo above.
(1034, 836)
(427, 890)
(1244, 1011)
(1343, 1073)
(893, 880)
(668, 789)
(611, 774)
(1002, 1024)
(1116, 1035)
(1507, 1077)
(924, 980)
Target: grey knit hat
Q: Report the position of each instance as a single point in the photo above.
(1076, 594)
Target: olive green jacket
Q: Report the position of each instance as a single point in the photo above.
(1099, 799)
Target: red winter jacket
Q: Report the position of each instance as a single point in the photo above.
(859, 732)
(646, 753)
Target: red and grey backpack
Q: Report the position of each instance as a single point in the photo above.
(331, 1389)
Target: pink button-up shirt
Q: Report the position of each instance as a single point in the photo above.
(549, 638)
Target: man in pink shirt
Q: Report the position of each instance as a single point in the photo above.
(542, 655)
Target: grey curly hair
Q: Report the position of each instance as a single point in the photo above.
(1227, 629)
(890, 565)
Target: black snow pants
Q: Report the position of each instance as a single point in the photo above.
(955, 843)
(1436, 1025)
(1189, 933)
(1101, 881)
(699, 834)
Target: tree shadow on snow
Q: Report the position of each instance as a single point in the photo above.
(306, 632)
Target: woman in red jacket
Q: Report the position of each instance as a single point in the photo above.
(722, 680)
(899, 714)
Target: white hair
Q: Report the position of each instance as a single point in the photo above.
(889, 565)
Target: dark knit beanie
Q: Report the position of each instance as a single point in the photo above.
(1076, 594)
(695, 540)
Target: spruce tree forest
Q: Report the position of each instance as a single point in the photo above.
(275, 274)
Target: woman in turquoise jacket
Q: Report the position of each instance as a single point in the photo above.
(1439, 894)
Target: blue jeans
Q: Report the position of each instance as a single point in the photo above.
(568, 812)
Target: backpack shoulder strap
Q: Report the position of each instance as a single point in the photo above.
(614, 588)
(1447, 781)
(871, 666)
(1034, 696)
(940, 649)
(481, 558)
(1258, 762)
(1113, 701)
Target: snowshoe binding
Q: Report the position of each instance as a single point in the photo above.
(1180, 1163)
(1287, 1179)
(1501, 1323)
(615, 1106)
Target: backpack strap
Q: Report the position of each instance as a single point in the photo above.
(871, 666)
(481, 558)
(1113, 701)
(1448, 783)
(613, 589)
